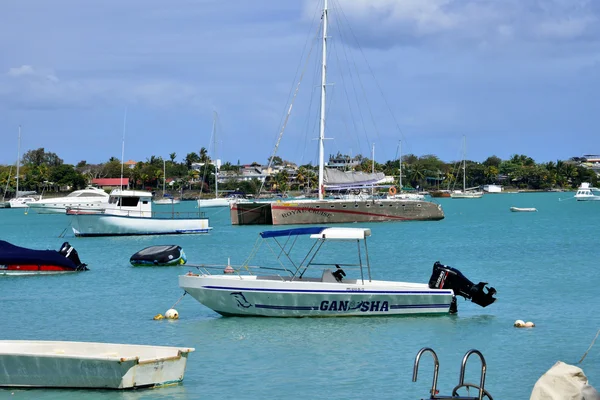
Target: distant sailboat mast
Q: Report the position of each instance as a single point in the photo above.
(18, 162)
(323, 93)
(400, 159)
(216, 161)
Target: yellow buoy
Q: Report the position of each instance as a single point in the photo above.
(519, 323)
(158, 316)
(172, 314)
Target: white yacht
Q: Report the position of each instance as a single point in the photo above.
(89, 197)
(587, 193)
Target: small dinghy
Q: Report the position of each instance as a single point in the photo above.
(15, 260)
(520, 209)
(159, 255)
(46, 364)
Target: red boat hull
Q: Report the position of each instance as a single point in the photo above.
(33, 269)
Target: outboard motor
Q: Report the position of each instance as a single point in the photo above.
(444, 277)
(69, 252)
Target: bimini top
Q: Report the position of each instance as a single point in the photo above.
(319, 232)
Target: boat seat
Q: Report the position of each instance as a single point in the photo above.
(328, 276)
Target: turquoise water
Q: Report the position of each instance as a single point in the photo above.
(544, 266)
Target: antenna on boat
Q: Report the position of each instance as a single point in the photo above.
(18, 162)
(323, 93)
(123, 148)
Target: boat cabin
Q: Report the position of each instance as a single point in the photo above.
(133, 203)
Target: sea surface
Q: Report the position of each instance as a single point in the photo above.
(544, 265)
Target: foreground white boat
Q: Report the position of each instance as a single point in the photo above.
(47, 364)
(292, 291)
(129, 212)
(91, 197)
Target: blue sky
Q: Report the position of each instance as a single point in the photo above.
(514, 76)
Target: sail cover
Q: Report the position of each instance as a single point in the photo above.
(336, 179)
(11, 254)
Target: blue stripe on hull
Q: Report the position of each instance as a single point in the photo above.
(327, 291)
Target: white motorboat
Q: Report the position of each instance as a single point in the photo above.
(129, 212)
(47, 364)
(21, 202)
(307, 286)
(91, 197)
(587, 193)
(523, 209)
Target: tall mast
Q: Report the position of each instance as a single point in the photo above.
(18, 162)
(323, 86)
(164, 175)
(464, 163)
(373, 170)
(400, 180)
(214, 132)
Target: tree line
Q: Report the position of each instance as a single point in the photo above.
(45, 171)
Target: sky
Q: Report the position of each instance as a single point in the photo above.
(86, 78)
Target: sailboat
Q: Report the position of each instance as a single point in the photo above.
(401, 194)
(466, 193)
(328, 211)
(216, 201)
(166, 198)
(20, 201)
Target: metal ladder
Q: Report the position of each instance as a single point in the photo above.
(483, 394)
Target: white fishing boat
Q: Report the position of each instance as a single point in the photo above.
(48, 364)
(585, 192)
(523, 209)
(466, 193)
(305, 285)
(91, 196)
(166, 198)
(129, 212)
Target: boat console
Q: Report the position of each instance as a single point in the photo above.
(445, 277)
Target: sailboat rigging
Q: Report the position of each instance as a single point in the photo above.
(315, 211)
(466, 193)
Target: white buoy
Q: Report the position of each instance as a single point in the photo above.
(172, 314)
(529, 324)
(519, 323)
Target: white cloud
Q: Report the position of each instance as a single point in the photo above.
(388, 23)
(28, 87)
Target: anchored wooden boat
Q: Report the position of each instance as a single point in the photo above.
(25, 363)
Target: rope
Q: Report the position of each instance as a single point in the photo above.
(589, 348)
(184, 293)
(568, 198)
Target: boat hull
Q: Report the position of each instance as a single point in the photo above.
(519, 209)
(248, 296)
(334, 211)
(466, 195)
(14, 269)
(207, 203)
(89, 365)
(117, 225)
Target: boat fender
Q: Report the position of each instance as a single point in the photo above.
(392, 191)
(172, 314)
(158, 317)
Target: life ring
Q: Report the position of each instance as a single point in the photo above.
(392, 191)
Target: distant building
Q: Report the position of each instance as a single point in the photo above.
(110, 183)
(130, 164)
(492, 188)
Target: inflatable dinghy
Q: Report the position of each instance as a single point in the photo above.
(159, 255)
